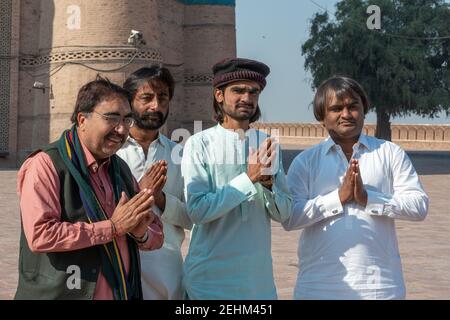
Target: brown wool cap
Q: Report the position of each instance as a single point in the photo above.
(235, 69)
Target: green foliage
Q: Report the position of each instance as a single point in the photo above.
(401, 67)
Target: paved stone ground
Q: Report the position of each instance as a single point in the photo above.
(424, 246)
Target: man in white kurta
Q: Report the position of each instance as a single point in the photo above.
(230, 250)
(161, 269)
(348, 248)
(151, 89)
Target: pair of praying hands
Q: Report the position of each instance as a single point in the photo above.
(155, 178)
(135, 215)
(260, 162)
(352, 188)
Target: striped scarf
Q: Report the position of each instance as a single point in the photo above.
(113, 268)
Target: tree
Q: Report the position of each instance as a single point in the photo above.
(404, 66)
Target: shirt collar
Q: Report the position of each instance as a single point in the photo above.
(362, 142)
(328, 144)
(91, 163)
(233, 133)
(159, 140)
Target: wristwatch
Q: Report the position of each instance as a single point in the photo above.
(140, 240)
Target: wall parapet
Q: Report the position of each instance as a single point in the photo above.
(409, 136)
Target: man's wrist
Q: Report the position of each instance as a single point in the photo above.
(364, 199)
(113, 229)
(160, 201)
(252, 178)
(141, 239)
(268, 183)
(341, 197)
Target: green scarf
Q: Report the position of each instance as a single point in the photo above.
(123, 287)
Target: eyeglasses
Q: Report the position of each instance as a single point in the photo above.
(114, 119)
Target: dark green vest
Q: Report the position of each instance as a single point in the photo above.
(46, 275)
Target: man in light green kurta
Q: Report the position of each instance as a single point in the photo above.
(234, 186)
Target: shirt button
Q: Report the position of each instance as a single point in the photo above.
(94, 271)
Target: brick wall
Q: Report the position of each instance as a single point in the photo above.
(411, 137)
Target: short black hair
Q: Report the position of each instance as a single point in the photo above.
(341, 87)
(218, 112)
(145, 75)
(95, 92)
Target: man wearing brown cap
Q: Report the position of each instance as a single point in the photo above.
(234, 186)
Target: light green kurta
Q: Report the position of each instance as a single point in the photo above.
(230, 251)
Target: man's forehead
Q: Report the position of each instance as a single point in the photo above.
(342, 99)
(152, 86)
(114, 104)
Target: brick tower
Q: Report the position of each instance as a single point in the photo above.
(65, 43)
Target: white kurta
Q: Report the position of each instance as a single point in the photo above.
(351, 252)
(230, 251)
(162, 269)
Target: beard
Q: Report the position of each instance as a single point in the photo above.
(150, 120)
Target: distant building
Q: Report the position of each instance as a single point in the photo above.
(63, 44)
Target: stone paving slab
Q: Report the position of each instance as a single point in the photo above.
(424, 246)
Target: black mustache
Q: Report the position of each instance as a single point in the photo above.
(122, 138)
(245, 105)
(156, 114)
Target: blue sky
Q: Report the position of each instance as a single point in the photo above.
(273, 32)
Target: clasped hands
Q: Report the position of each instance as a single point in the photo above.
(155, 178)
(135, 215)
(260, 163)
(352, 188)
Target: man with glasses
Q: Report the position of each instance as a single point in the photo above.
(83, 214)
(113, 119)
(149, 154)
(235, 185)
